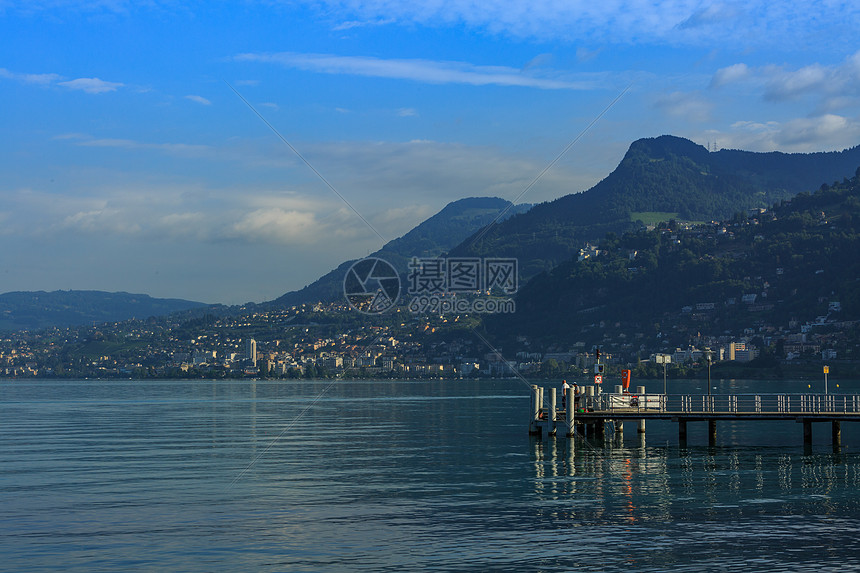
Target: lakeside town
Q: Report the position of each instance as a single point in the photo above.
(288, 344)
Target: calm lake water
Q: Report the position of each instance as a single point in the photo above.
(403, 476)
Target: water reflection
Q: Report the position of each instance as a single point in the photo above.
(629, 482)
(397, 476)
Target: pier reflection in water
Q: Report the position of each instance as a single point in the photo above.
(593, 481)
(700, 508)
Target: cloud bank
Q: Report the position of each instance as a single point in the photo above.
(427, 71)
(675, 22)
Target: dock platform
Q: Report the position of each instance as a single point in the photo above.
(592, 411)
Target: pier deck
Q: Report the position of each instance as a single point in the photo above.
(592, 410)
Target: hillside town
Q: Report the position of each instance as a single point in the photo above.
(272, 344)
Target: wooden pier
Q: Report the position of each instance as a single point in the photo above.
(592, 411)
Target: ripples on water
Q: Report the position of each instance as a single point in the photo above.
(379, 476)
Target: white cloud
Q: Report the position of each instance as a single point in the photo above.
(813, 23)
(827, 132)
(731, 74)
(40, 79)
(540, 61)
(106, 220)
(832, 87)
(407, 112)
(349, 25)
(428, 71)
(198, 99)
(691, 107)
(278, 226)
(177, 149)
(91, 85)
(686, 22)
(821, 132)
(88, 85)
(586, 55)
(714, 13)
(375, 177)
(71, 136)
(201, 226)
(781, 84)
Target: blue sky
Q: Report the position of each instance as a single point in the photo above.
(129, 163)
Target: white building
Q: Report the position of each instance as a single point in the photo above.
(251, 351)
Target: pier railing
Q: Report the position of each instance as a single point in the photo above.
(591, 409)
(729, 403)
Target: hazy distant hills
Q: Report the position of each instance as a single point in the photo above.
(434, 236)
(39, 309)
(658, 179)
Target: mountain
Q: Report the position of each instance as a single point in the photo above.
(434, 236)
(792, 263)
(39, 309)
(658, 179)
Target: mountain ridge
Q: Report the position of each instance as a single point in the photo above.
(431, 238)
(663, 174)
(30, 310)
(794, 262)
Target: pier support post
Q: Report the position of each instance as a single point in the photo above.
(542, 420)
(569, 414)
(837, 433)
(712, 433)
(643, 403)
(540, 398)
(682, 433)
(807, 433)
(551, 415)
(619, 428)
(534, 428)
(598, 428)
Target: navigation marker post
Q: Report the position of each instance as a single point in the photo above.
(664, 359)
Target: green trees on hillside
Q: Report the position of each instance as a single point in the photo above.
(774, 266)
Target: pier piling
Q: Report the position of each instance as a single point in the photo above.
(570, 412)
(682, 433)
(534, 428)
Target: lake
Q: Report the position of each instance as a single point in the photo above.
(404, 475)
